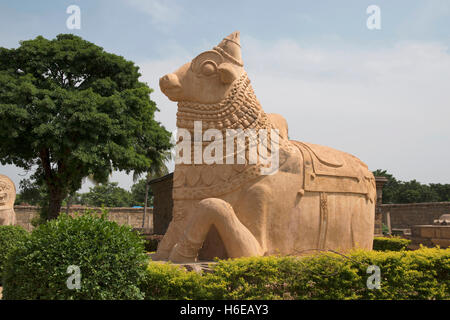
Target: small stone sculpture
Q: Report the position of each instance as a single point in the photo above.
(314, 198)
(7, 198)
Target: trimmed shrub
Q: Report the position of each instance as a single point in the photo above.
(111, 260)
(10, 238)
(390, 244)
(420, 274)
(169, 282)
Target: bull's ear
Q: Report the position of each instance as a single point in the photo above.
(227, 72)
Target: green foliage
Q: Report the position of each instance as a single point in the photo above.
(390, 244)
(169, 282)
(138, 193)
(31, 192)
(384, 229)
(420, 274)
(442, 191)
(72, 110)
(10, 238)
(111, 259)
(395, 191)
(108, 194)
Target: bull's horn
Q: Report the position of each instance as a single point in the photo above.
(230, 47)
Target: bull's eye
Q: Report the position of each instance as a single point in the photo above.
(208, 68)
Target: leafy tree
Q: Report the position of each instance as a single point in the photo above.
(442, 190)
(390, 188)
(395, 191)
(31, 192)
(138, 193)
(74, 110)
(108, 194)
(413, 191)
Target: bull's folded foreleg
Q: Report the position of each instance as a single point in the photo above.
(168, 241)
(174, 231)
(237, 239)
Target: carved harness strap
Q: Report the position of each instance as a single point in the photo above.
(323, 226)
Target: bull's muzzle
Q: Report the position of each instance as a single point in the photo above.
(170, 84)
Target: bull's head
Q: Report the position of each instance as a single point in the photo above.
(208, 77)
(7, 193)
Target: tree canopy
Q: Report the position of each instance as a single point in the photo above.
(108, 194)
(138, 191)
(396, 191)
(70, 109)
(30, 193)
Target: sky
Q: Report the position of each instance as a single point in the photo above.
(382, 95)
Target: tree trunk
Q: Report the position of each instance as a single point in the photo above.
(145, 203)
(68, 204)
(54, 205)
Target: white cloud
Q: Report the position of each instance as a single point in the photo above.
(388, 106)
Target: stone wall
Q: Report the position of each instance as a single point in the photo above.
(404, 216)
(162, 202)
(130, 216)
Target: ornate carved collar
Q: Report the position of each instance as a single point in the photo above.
(240, 109)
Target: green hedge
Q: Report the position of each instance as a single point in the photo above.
(111, 260)
(420, 274)
(390, 244)
(10, 238)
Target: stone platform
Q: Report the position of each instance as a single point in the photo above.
(200, 266)
(430, 235)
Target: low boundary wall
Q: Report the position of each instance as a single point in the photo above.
(130, 216)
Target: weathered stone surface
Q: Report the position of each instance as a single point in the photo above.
(318, 198)
(443, 220)
(7, 198)
(405, 215)
(430, 235)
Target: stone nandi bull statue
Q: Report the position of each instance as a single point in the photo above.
(318, 199)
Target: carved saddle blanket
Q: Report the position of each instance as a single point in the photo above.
(330, 170)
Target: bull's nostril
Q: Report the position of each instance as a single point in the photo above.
(170, 85)
(165, 81)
